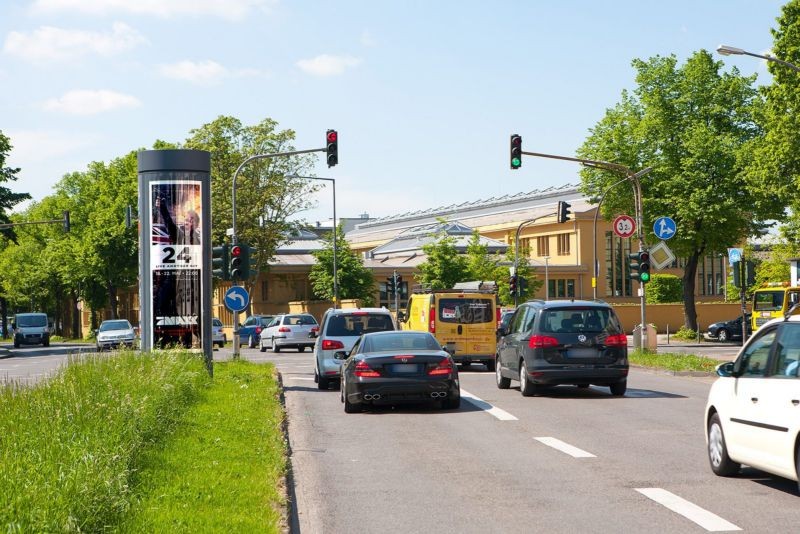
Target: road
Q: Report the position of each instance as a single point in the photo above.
(30, 364)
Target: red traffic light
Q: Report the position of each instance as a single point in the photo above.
(332, 136)
(644, 257)
(236, 251)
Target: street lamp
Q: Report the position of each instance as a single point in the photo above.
(726, 50)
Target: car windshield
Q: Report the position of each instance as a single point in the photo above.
(358, 323)
(31, 321)
(580, 320)
(768, 300)
(466, 310)
(266, 319)
(115, 325)
(401, 342)
(216, 322)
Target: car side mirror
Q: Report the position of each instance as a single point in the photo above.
(340, 355)
(502, 331)
(401, 317)
(726, 369)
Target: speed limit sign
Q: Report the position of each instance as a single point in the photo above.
(624, 226)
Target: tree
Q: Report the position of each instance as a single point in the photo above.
(693, 125)
(355, 280)
(8, 199)
(444, 266)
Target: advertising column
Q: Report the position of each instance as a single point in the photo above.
(175, 249)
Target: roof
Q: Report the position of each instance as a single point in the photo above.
(413, 239)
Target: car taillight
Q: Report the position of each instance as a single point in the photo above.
(284, 329)
(365, 371)
(617, 340)
(444, 368)
(497, 316)
(542, 342)
(258, 330)
(331, 344)
(432, 324)
(315, 329)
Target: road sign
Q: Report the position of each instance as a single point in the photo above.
(661, 256)
(734, 255)
(237, 298)
(624, 226)
(664, 228)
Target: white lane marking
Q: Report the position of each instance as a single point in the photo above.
(298, 378)
(483, 405)
(692, 512)
(566, 448)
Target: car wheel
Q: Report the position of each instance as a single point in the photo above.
(721, 463)
(490, 365)
(350, 407)
(526, 387)
(618, 389)
(452, 403)
(323, 383)
(46, 342)
(301, 348)
(262, 347)
(16, 343)
(502, 382)
(723, 335)
(251, 342)
(275, 347)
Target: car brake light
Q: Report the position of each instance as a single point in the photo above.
(444, 368)
(331, 344)
(498, 316)
(365, 371)
(404, 357)
(258, 330)
(542, 342)
(617, 340)
(315, 329)
(284, 329)
(432, 324)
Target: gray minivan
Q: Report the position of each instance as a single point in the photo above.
(31, 329)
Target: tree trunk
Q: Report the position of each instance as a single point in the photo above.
(112, 300)
(76, 316)
(689, 278)
(4, 311)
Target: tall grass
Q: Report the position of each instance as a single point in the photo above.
(69, 448)
(673, 361)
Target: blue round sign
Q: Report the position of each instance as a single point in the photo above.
(237, 298)
(664, 228)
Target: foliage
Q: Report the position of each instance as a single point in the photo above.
(8, 199)
(444, 266)
(69, 449)
(664, 288)
(694, 125)
(775, 267)
(687, 334)
(355, 280)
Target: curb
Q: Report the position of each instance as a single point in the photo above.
(658, 370)
(288, 509)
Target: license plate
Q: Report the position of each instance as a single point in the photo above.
(404, 368)
(581, 353)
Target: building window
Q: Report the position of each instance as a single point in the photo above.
(618, 282)
(543, 245)
(563, 244)
(525, 247)
(561, 288)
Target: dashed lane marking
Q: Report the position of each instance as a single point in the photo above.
(566, 448)
(704, 518)
(485, 406)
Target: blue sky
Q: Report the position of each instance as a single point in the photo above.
(424, 94)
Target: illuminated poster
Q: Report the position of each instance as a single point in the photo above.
(176, 262)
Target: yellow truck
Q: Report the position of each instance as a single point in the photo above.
(463, 321)
(772, 302)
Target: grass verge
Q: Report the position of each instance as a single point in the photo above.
(672, 361)
(223, 469)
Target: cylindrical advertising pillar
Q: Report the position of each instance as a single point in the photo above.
(175, 250)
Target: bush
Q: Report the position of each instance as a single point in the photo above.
(686, 334)
(664, 289)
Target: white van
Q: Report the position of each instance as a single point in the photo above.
(31, 329)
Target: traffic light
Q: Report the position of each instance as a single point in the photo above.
(66, 221)
(512, 285)
(563, 211)
(749, 273)
(516, 151)
(398, 283)
(634, 257)
(390, 285)
(644, 266)
(235, 271)
(220, 256)
(332, 147)
(247, 261)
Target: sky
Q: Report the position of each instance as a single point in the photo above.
(424, 94)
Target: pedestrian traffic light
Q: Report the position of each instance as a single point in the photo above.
(398, 283)
(512, 284)
(390, 285)
(563, 211)
(247, 261)
(332, 147)
(737, 274)
(644, 266)
(516, 151)
(235, 271)
(66, 221)
(220, 256)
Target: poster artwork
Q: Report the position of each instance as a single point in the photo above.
(176, 262)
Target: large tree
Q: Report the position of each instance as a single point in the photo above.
(692, 124)
(444, 266)
(355, 280)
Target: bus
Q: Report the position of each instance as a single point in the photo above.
(772, 302)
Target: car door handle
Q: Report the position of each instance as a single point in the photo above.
(754, 399)
(795, 402)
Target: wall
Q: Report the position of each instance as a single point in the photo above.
(670, 316)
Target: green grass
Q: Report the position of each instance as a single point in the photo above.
(223, 470)
(672, 361)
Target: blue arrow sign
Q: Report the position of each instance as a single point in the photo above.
(734, 255)
(237, 298)
(664, 228)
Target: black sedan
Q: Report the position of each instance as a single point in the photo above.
(397, 367)
(728, 330)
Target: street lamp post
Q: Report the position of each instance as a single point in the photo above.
(726, 50)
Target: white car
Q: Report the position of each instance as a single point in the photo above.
(296, 330)
(114, 333)
(218, 336)
(753, 409)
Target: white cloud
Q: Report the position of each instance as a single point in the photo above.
(204, 72)
(327, 65)
(82, 102)
(227, 9)
(49, 43)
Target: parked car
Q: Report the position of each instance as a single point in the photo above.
(115, 333)
(751, 415)
(31, 329)
(339, 330)
(219, 337)
(291, 330)
(250, 330)
(397, 367)
(729, 330)
(563, 342)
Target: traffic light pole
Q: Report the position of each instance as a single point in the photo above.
(516, 248)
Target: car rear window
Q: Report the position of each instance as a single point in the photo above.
(401, 341)
(579, 320)
(357, 324)
(466, 311)
(299, 319)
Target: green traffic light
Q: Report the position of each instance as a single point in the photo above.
(644, 277)
(515, 162)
